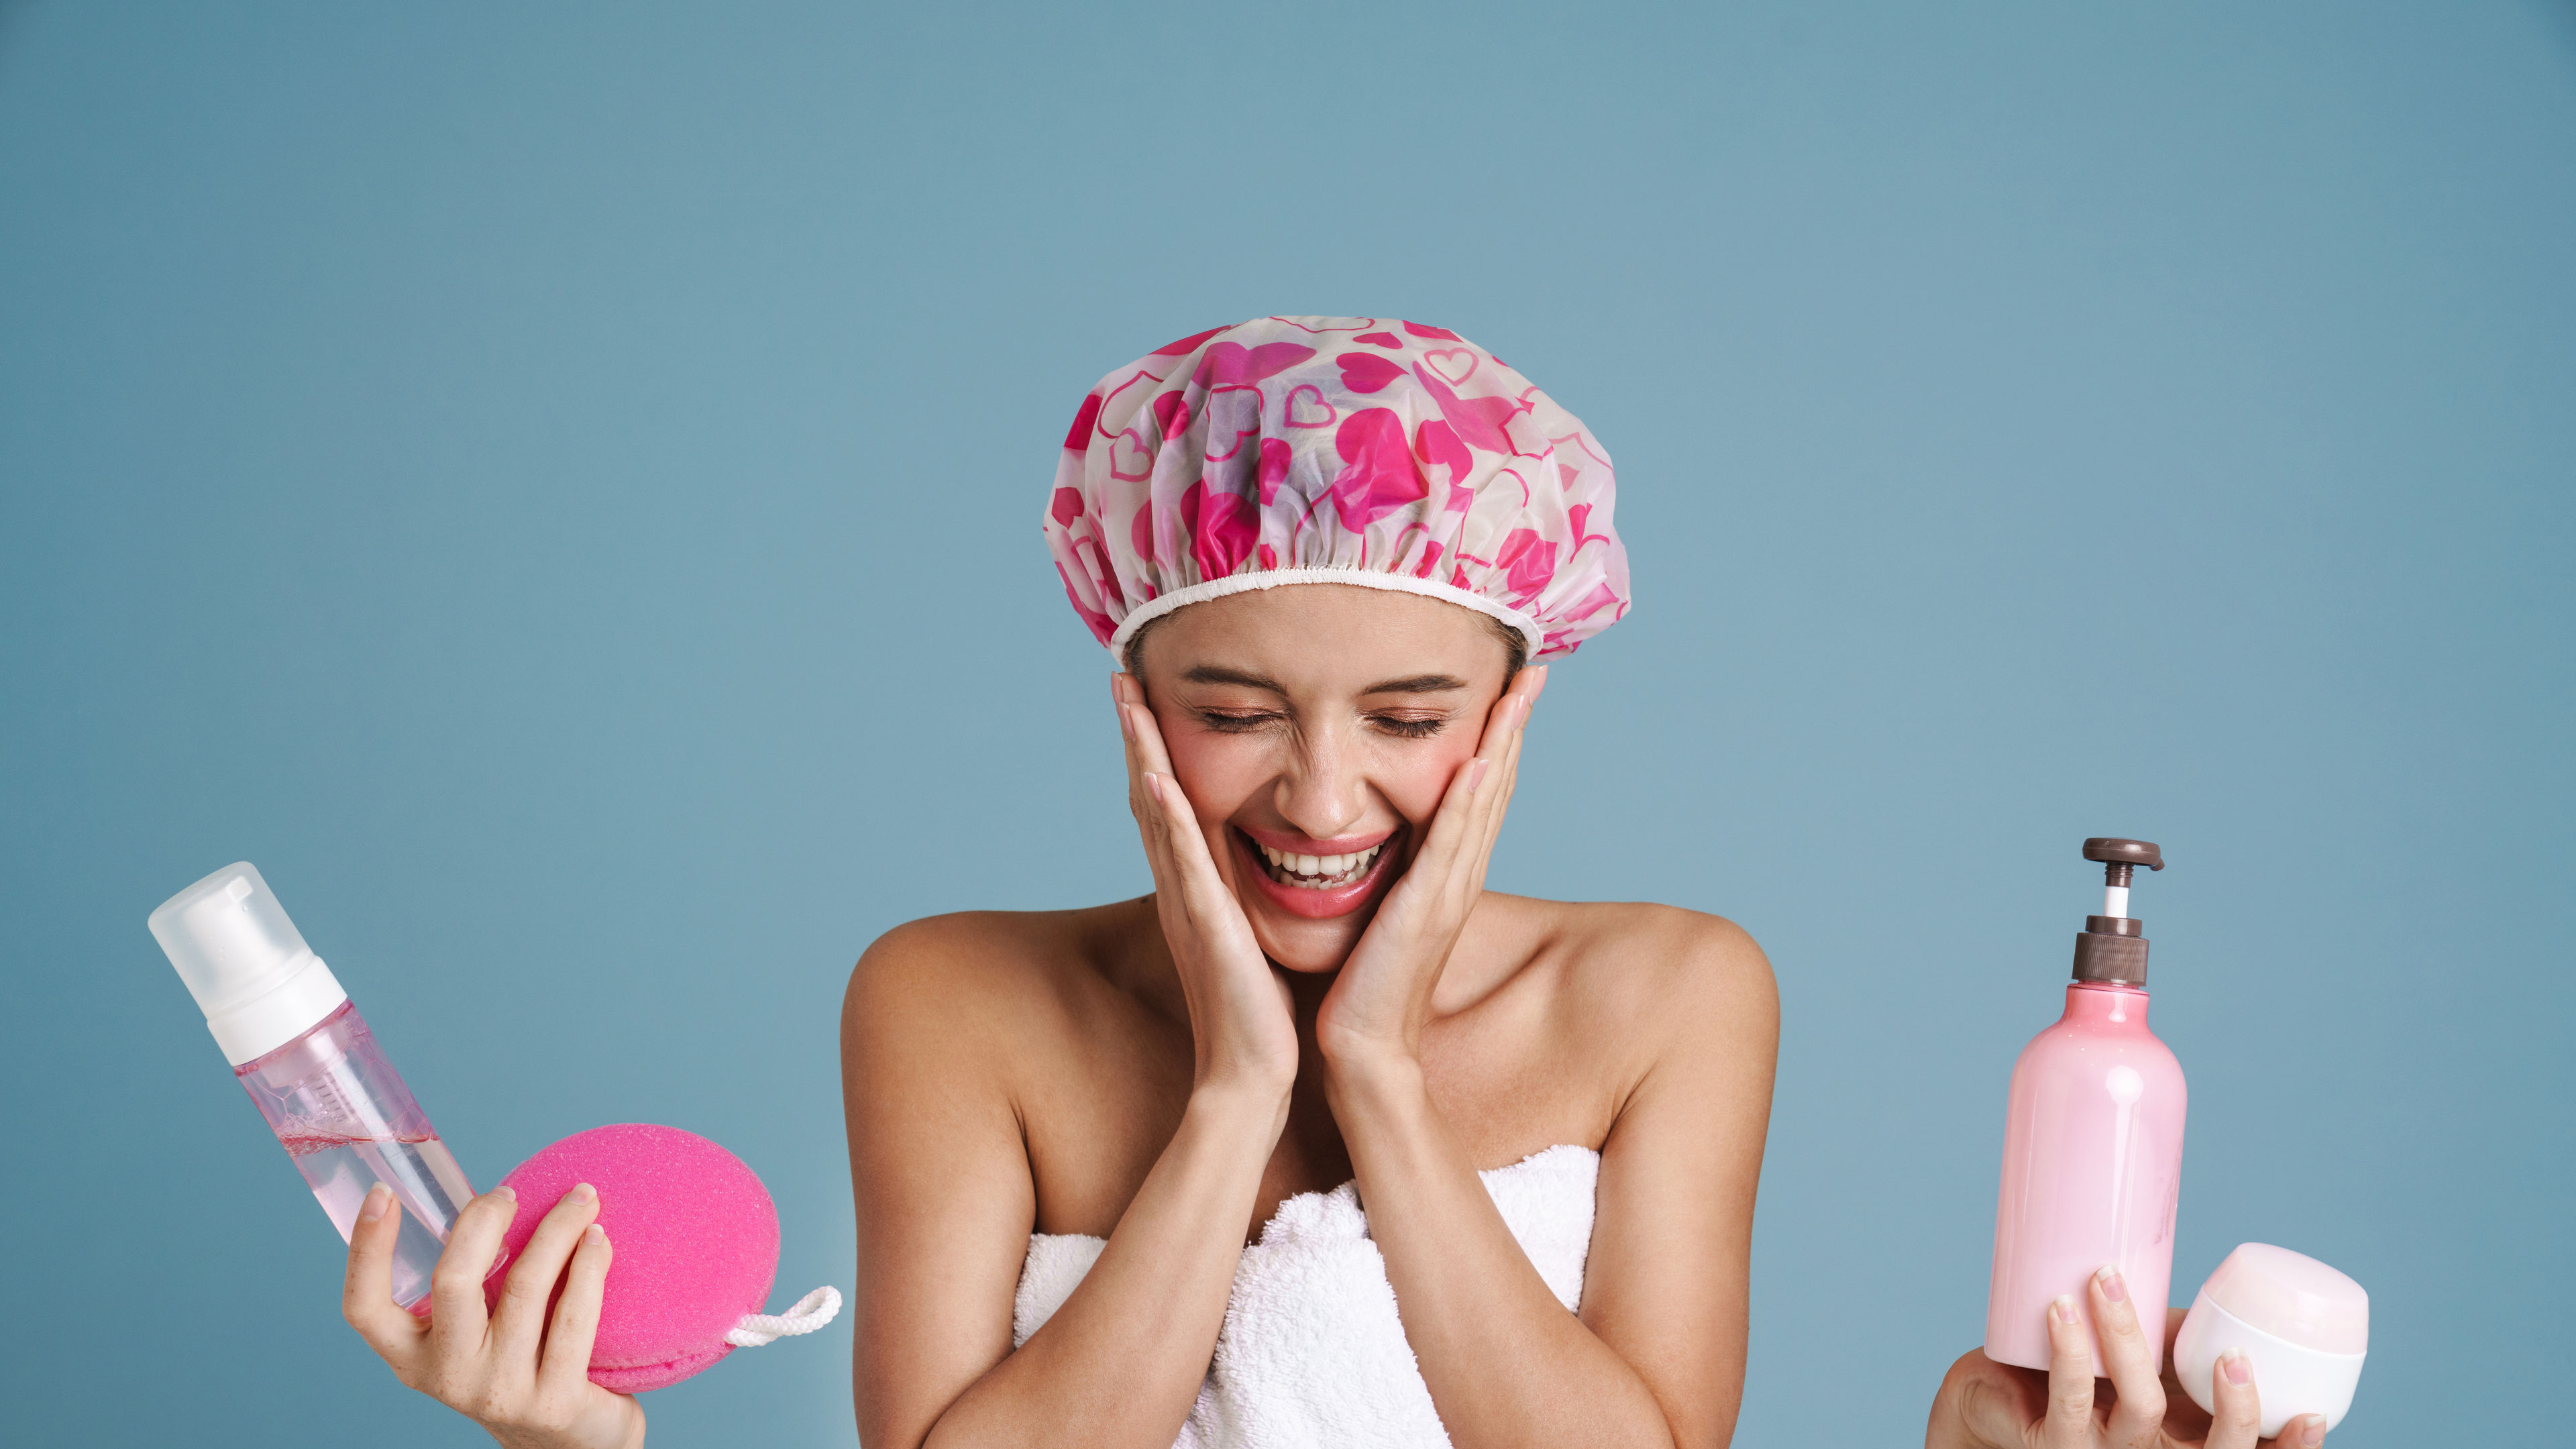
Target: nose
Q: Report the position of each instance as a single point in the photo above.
(1322, 792)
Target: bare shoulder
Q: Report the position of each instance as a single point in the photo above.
(974, 979)
(1662, 979)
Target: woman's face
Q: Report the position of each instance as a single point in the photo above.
(1314, 729)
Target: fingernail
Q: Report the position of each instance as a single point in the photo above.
(2114, 1287)
(1126, 722)
(2065, 1306)
(506, 1193)
(378, 1199)
(1475, 772)
(2238, 1371)
(1154, 786)
(594, 1235)
(582, 1192)
(2314, 1431)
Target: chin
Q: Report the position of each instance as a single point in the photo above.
(1308, 952)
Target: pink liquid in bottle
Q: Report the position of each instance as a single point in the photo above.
(347, 1120)
(2092, 1168)
(299, 1047)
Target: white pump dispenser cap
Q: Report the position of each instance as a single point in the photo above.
(257, 982)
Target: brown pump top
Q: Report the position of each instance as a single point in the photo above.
(2114, 948)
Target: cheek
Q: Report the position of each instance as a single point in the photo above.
(1217, 772)
(1415, 778)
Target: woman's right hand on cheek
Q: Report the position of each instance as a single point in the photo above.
(1986, 1405)
(522, 1374)
(1238, 1002)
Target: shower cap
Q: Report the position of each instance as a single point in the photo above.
(1345, 450)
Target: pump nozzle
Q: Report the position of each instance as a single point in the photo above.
(2113, 945)
(2119, 858)
(257, 982)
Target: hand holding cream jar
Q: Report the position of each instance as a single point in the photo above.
(2302, 1326)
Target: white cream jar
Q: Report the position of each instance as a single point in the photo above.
(2303, 1327)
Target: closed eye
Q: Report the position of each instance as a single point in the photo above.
(1235, 722)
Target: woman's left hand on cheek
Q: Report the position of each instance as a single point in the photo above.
(1378, 1003)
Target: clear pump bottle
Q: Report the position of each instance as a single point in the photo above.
(2092, 1167)
(299, 1047)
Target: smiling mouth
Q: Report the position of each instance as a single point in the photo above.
(1316, 872)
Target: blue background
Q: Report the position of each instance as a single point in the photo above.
(557, 487)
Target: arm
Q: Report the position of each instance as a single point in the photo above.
(1657, 1355)
(945, 1198)
(945, 1205)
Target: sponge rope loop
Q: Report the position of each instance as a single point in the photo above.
(757, 1330)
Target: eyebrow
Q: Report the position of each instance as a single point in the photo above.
(1246, 679)
(1417, 684)
(1220, 674)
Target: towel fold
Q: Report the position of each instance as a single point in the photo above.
(1312, 1352)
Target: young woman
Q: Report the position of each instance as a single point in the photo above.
(1321, 1142)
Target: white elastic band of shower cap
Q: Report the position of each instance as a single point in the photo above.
(758, 1330)
(1245, 583)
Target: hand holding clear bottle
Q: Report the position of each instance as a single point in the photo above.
(521, 1371)
(420, 1243)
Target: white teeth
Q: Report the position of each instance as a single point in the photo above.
(1313, 871)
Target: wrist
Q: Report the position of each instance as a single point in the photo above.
(1241, 1101)
(1376, 1071)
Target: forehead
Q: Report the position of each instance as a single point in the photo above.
(1319, 635)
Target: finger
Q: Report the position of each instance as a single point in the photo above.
(1436, 860)
(457, 1320)
(2138, 1413)
(520, 1322)
(1509, 709)
(2069, 1424)
(1144, 733)
(1497, 747)
(1994, 1403)
(576, 1319)
(367, 1292)
(1502, 746)
(1146, 756)
(2235, 1407)
(1200, 891)
(1124, 696)
(1497, 801)
(2307, 1431)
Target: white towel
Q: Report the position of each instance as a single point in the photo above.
(1312, 1352)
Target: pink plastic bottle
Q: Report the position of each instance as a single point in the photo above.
(299, 1047)
(2092, 1140)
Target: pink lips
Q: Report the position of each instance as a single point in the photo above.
(1316, 905)
(1307, 845)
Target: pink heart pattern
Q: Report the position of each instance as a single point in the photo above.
(1366, 371)
(1307, 408)
(1246, 450)
(1454, 364)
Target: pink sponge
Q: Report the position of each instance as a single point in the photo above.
(695, 1237)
